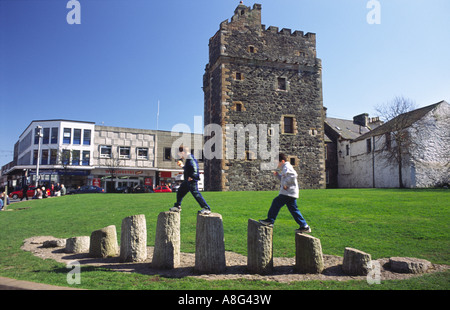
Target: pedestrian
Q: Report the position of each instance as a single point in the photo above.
(63, 190)
(288, 195)
(24, 192)
(190, 183)
(38, 193)
(1, 201)
(57, 190)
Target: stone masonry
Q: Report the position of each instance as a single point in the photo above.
(264, 76)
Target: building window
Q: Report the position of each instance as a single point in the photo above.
(105, 151)
(167, 154)
(282, 83)
(87, 137)
(86, 158)
(293, 161)
(288, 124)
(388, 140)
(36, 136)
(65, 157)
(369, 145)
(35, 156)
(239, 76)
(251, 49)
(347, 150)
(75, 158)
(53, 156)
(46, 138)
(124, 152)
(44, 158)
(142, 153)
(54, 136)
(238, 107)
(77, 136)
(67, 135)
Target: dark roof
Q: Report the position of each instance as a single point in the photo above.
(346, 128)
(404, 120)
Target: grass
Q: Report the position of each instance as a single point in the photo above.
(382, 222)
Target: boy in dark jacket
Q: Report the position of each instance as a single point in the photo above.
(190, 183)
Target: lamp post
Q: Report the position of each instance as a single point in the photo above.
(40, 135)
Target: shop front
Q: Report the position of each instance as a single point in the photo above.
(114, 180)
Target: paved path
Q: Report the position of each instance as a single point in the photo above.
(11, 284)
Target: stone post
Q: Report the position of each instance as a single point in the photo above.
(308, 254)
(259, 248)
(78, 244)
(103, 242)
(210, 244)
(356, 263)
(167, 241)
(133, 239)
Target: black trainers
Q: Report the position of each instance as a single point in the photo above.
(305, 229)
(266, 223)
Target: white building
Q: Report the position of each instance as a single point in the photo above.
(426, 159)
(63, 144)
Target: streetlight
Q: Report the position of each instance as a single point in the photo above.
(40, 135)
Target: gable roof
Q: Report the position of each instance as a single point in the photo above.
(347, 129)
(405, 120)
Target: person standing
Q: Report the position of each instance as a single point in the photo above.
(288, 196)
(190, 183)
(24, 192)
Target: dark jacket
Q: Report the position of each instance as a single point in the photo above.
(191, 168)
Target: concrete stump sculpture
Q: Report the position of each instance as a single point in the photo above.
(259, 248)
(209, 244)
(166, 253)
(133, 239)
(356, 263)
(103, 243)
(78, 244)
(308, 254)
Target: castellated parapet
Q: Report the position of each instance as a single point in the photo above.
(258, 75)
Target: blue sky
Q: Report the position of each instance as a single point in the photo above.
(126, 55)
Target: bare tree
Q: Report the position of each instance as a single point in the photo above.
(113, 163)
(398, 140)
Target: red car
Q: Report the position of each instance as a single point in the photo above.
(30, 193)
(163, 189)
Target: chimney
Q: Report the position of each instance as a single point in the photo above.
(361, 120)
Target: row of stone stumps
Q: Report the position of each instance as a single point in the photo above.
(308, 257)
(308, 253)
(209, 246)
(209, 243)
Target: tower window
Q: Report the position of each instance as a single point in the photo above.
(288, 124)
(239, 76)
(293, 161)
(282, 83)
(252, 49)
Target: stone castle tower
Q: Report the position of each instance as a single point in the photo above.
(263, 76)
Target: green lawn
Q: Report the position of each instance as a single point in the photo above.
(384, 223)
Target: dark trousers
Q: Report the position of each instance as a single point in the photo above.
(291, 203)
(24, 195)
(190, 186)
